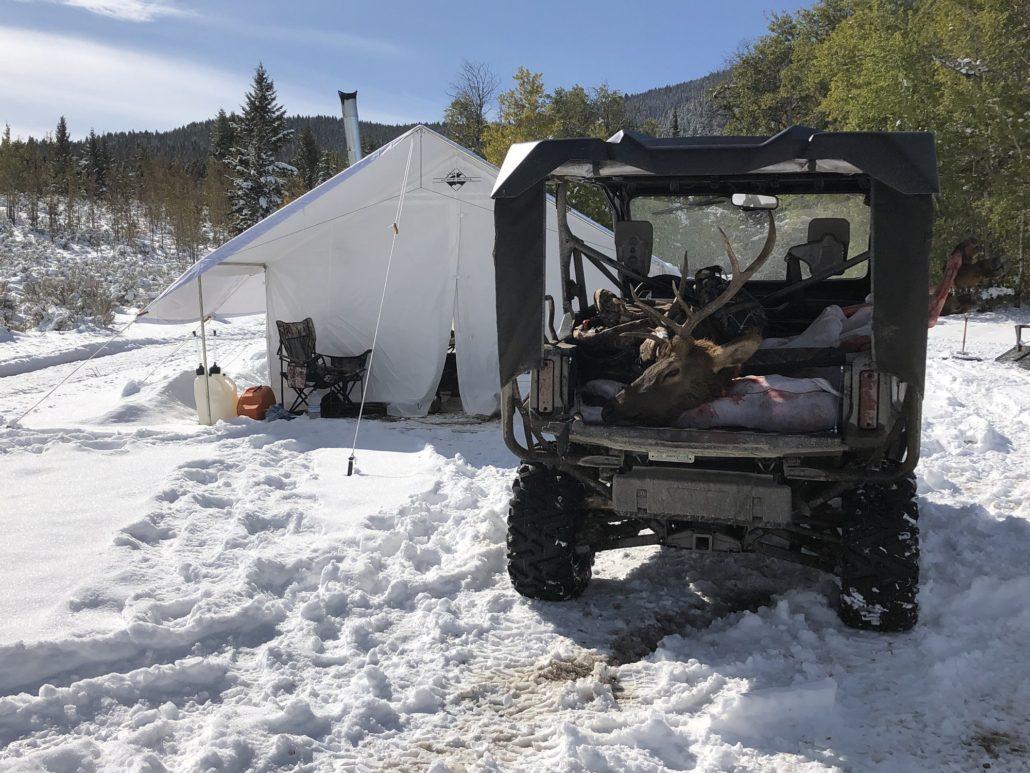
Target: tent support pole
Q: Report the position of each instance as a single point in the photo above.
(203, 349)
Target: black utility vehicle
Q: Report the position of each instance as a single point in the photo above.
(765, 397)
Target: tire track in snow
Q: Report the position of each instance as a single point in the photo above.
(32, 363)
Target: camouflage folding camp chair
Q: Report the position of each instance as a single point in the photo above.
(306, 371)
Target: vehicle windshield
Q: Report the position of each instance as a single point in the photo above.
(691, 224)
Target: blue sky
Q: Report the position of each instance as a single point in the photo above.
(156, 64)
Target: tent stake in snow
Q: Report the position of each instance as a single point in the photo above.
(382, 300)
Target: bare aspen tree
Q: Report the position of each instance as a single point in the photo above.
(471, 95)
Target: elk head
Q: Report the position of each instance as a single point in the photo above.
(688, 372)
(976, 269)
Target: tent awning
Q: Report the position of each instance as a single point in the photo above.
(179, 302)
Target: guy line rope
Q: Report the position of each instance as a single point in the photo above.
(382, 299)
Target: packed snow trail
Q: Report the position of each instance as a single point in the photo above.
(32, 363)
(264, 611)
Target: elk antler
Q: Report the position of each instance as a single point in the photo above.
(656, 316)
(678, 289)
(737, 280)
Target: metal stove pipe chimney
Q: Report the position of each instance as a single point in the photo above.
(351, 129)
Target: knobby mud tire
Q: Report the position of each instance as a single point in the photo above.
(879, 568)
(544, 515)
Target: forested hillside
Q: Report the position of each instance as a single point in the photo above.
(693, 103)
(692, 100)
(957, 68)
(192, 142)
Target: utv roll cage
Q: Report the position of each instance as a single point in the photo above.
(836, 494)
(896, 171)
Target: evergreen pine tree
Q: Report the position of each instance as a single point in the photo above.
(329, 165)
(675, 122)
(306, 161)
(8, 172)
(223, 137)
(61, 160)
(217, 194)
(258, 178)
(63, 180)
(96, 165)
(34, 177)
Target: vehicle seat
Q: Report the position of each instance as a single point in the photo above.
(827, 246)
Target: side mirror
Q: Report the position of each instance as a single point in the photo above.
(752, 201)
(634, 245)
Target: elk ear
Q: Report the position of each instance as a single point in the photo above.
(736, 353)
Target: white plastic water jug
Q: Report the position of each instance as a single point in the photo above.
(224, 395)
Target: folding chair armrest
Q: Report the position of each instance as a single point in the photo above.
(364, 359)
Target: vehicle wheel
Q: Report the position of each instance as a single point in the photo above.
(543, 516)
(879, 572)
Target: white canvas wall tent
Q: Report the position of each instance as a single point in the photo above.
(324, 256)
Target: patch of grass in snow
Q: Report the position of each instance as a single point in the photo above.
(998, 744)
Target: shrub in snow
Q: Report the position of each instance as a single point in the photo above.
(80, 276)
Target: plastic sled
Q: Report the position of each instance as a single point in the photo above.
(1020, 353)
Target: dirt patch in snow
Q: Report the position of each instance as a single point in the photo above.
(638, 642)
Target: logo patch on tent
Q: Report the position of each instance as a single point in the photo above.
(456, 178)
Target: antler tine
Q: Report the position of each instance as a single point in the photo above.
(654, 314)
(738, 280)
(734, 260)
(679, 287)
(767, 248)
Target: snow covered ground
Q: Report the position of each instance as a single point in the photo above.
(189, 598)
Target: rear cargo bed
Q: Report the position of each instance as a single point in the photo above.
(701, 442)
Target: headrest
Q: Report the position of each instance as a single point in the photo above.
(837, 227)
(827, 244)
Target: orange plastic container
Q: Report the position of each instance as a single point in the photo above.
(255, 402)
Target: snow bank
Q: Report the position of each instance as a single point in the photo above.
(167, 401)
(16, 363)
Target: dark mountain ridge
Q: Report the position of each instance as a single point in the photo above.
(190, 143)
(695, 110)
(696, 114)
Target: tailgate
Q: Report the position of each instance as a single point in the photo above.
(670, 444)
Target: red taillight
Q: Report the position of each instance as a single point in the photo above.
(868, 399)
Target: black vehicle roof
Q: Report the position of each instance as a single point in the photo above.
(905, 161)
